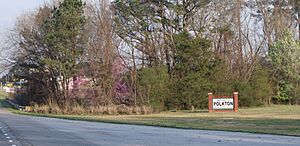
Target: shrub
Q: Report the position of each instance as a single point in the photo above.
(253, 92)
(153, 86)
(261, 86)
(190, 91)
(195, 65)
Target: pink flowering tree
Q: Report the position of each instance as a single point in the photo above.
(76, 82)
(121, 88)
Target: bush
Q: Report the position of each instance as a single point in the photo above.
(253, 92)
(195, 64)
(190, 91)
(261, 86)
(153, 86)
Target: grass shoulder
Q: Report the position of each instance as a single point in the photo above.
(275, 119)
(3, 103)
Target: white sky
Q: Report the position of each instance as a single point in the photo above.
(11, 9)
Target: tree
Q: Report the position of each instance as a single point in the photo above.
(154, 87)
(149, 26)
(195, 65)
(148, 29)
(65, 44)
(27, 47)
(285, 59)
(101, 50)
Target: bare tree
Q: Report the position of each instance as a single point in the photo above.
(102, 49)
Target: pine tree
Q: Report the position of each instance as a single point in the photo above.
(195, 65)
(65, 42)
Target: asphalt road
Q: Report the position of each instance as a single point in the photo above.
(19, 130)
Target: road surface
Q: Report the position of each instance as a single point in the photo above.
(19, 130)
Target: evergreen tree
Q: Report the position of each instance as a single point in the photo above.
(195, 65)
(65, 43)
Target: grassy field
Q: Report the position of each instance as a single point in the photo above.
(275, 119)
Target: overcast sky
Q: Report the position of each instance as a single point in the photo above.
(10, 9)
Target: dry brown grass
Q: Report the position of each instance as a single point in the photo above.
(92, 110)
(43, 109)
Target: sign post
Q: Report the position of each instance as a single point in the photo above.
(223, 103)
(236, 101)
(210, 97)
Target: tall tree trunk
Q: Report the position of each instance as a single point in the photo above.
(298, 15)
(240, 43)
(133, 77)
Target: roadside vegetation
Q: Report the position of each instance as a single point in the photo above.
(140, 57)
(275, 119)
(3, 103)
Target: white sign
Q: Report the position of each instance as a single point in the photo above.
(222, 103)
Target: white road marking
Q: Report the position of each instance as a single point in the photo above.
(4, 132)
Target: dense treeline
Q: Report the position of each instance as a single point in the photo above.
(145, 55)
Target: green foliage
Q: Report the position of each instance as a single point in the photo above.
(285, 59)
(65, 41)
(65, 36)
(153, 84)
(253, 92)
(256, 91)
(53, 50)
(194, 66)
(261, 86)
(190, 91)
(296, 94)
(133, 18)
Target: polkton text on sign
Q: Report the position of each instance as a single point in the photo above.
(223, 103)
